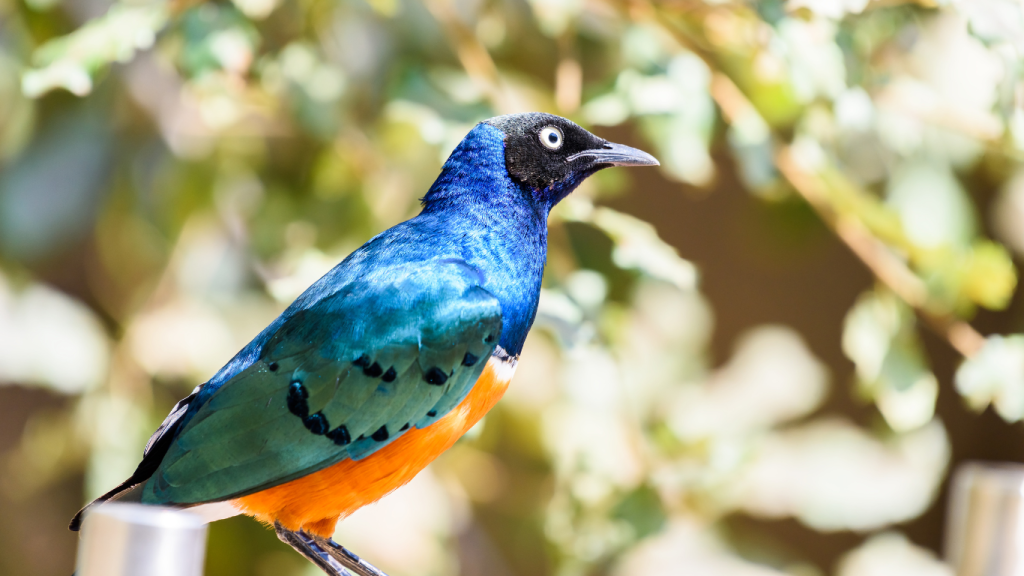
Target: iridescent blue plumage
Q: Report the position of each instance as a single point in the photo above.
(395, 335)
(474, 212)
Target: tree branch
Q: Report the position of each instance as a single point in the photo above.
(889, 269)
(472, 54)
(883, 263)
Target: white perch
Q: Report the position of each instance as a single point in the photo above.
(120, 539)
(985, 527)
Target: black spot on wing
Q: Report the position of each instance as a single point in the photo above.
(373, 370)
(404, 428)
(381, 434)
(340, 435)
(435, 376)
(432, 413)
(390, 375)
(469, 359)
(363, 361)
(316, 423)
(273, 366)
(297, 403)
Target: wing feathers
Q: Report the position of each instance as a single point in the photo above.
(339, 379)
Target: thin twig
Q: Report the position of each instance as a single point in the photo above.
(179, 6)
(875, 254)
(883, 263)
(472, 54)
(568, 74)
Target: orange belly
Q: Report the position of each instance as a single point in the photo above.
(316, 502)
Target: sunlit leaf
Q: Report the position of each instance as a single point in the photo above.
(1007, 211)
(256, 9)
(49, 339)
(829, 8)
(816, 62)
(932, 205)
(771, 378)
(50, 192)
(879, 336)
(891, 554)
(637, 246)
(831, 475)
(71, 61)
(245, 147)
(642, 509)
(995, 21)
(990, 277)
(995, 375)
(687, 547)
(555, 15)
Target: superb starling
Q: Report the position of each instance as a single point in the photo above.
(385, 361)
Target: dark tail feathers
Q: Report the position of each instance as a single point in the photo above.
(150, 462)
(76, 522)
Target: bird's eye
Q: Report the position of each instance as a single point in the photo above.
(551, 137)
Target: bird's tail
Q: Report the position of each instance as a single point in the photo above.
(151, 457)
(125, 491)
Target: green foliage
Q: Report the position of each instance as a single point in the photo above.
(72, 61)
(214, 158)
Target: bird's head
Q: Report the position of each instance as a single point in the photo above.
(552, 155)
(546, 155)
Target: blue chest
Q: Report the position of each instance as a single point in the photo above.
(474, 212)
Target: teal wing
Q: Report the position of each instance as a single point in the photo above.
(339, 379)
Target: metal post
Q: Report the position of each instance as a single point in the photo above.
(985, 528)
(122, 539)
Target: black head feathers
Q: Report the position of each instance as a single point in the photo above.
(543, 150)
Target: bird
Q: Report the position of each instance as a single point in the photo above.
(385, 361)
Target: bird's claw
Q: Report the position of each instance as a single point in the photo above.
(328, 555)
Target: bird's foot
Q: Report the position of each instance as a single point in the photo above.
(347, 558)
(305, 544)
(328, 555)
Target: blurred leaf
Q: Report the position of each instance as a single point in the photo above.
(249, 145)
(832, 475)
(756, 163)
(990, 278)
(816, 64)
(71, 61)
(218, 37)
(831, 9)
(995, 375)
(560, 314)
(1007, 212)
(891, 554)
(607, 110)
(642, 509)
(17, 113)
(932, 205)
(772, 378)
(879, 336)
(995, 21)
(637, 245)
(554, 16)
(48, 339)
(687, 547)
(48, 450)
(49, 194)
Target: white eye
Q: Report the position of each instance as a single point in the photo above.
(551, 137)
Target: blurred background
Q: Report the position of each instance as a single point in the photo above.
(764, 358)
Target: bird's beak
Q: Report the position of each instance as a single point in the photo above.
(616, 155)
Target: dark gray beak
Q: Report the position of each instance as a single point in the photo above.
(616, 155)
